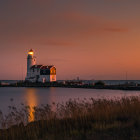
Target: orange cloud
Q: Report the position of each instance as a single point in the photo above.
(84, 24)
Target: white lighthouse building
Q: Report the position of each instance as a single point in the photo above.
(39, 73)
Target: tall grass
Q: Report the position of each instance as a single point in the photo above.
(74, 120)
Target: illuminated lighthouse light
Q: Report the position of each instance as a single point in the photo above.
(31, 52)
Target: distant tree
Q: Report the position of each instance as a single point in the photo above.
(99, 83)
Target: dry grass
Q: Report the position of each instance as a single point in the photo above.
(75, 120)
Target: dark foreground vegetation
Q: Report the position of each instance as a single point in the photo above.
(76, 120)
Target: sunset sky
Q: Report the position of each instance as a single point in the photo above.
(92, 39)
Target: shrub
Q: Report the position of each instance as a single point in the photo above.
(99, 83)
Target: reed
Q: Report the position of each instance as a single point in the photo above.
(75, 120)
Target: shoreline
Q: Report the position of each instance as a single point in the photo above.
(48, 85)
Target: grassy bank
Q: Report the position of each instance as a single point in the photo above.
(75, 120)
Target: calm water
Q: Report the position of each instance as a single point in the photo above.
(38, 96)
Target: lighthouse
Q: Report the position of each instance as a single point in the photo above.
(31, 61)
(39, 73)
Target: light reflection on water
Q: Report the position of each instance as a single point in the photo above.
(38, 96)
(31, 101)
(31, 97)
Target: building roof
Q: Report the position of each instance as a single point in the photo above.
(42, 67)
(36, 66)
(47, 67)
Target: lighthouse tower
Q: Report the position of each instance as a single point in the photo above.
(31, 60)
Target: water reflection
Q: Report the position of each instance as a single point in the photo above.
(31, 101)
(38, 96)
(32, 98)
(52, 99)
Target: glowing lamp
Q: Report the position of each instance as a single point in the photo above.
(31, 52)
